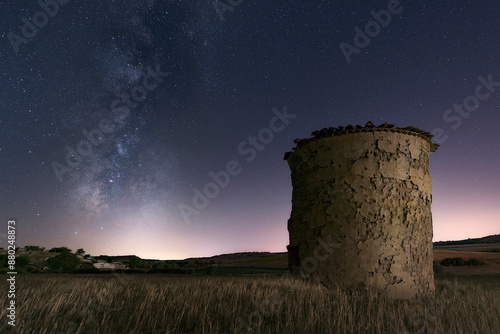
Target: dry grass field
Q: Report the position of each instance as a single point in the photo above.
(117, 303)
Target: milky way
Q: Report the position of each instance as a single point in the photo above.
(115, 113)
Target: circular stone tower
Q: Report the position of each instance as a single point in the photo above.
(361, 209)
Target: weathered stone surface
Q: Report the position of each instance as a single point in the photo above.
(368, 190)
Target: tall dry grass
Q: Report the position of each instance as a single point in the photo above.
(165, 304)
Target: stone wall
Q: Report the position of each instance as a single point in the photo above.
(367, 189)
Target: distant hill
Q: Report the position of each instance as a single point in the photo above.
(262, 260)
(237, 257)
(491, 239)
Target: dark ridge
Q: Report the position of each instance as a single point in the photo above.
(491, 239)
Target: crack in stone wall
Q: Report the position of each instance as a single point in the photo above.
(370, 191)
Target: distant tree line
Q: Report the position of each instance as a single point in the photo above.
(60, 250)
(21, 261)
(458, 261)
(68, 262)
(34, 248)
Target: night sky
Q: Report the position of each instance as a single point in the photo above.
(114, 115)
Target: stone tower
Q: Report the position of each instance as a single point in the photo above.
(361, 209)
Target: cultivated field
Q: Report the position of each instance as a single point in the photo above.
(487, 253)
(117, 303)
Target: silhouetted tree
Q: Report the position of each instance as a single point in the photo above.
(134, 262)
(66, 261)
(4, 258)
(34, 248)
(60, 250)
(22, 260)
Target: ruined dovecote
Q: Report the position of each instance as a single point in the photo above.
(361, 209)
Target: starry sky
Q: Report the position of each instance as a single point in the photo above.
(116, 115)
